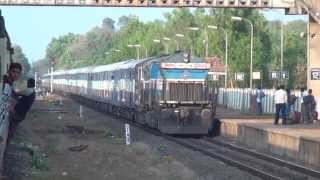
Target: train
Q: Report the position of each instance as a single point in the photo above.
(6, 50)
(171, 93)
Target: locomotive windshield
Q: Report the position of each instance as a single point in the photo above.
(185, 74)
(185, 71)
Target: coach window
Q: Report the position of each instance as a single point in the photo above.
(146, 74)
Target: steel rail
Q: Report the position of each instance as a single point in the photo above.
(191, 145)
(265, 157)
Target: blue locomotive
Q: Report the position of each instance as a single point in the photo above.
(170, 92)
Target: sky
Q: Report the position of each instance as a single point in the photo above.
(33, 27)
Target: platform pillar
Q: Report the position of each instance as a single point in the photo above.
(314, 63)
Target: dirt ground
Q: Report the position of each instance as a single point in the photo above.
(53, 143)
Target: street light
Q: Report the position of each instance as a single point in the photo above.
(180, 36)
(166, 44)
(193, 28)
(212, 27)
(137, 46)
(166, 38)
(156, 40)
(235, 18)
(226, 52)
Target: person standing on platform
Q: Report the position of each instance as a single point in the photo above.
(280, 99)
(291, 101)
(309, 105)
(303, 109)
(260, 95)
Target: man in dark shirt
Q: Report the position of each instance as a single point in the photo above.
(23, 106)
(309, 103)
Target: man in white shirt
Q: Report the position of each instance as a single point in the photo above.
(280, 99)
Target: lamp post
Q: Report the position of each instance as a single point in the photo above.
(157, 41)
(235, 18)
(226, 52)
(194, 29)
(166, 45)
(281, 49)
(179, 36)
(137, 46)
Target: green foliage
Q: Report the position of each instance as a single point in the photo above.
(97, 46)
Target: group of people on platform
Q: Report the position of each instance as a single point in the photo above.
(20, 101)
(284, 100)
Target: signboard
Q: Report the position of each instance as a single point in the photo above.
(239, 76)
(273, 75)
(214, 77)
(315, 74)
(285, 75)
(256, 75)
(185, 65)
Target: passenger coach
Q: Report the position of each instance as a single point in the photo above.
(170, 92)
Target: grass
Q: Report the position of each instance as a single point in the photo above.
(161, 147)
(38, 159)
(114, 138)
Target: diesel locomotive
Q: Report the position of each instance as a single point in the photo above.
(171, 93)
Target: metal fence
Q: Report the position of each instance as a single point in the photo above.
(240, 99)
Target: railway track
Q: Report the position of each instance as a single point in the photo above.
(293, 166)
(257, 164)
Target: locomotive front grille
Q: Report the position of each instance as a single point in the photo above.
(189, 92)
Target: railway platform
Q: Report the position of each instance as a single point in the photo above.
(296, 142)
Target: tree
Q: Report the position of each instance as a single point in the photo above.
(98, 46)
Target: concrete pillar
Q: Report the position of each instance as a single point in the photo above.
(314, 46)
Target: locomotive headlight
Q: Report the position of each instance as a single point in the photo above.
(184, 113)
